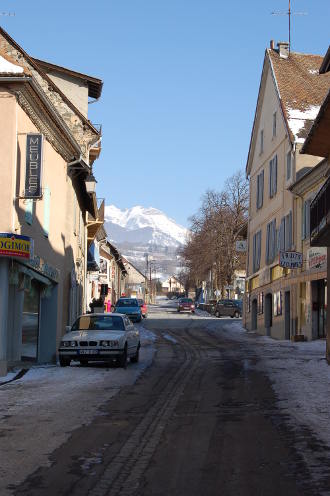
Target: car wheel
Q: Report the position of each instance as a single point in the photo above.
(217, 314)
(236, 314)
(178, 309)
(139, 320)
(122, 361)
(64, 362)
(83, 362)
(136, 357)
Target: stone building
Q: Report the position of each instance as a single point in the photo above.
(48, 146)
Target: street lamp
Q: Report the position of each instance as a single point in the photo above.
(90, 182)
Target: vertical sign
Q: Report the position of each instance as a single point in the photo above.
(33, 166)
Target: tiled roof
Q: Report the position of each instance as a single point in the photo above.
(301, 89)
(9, 67)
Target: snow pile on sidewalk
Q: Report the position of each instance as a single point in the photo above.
(299, 374)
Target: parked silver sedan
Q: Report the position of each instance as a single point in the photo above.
(101, 337)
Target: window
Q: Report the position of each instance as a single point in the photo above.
(256, 251)
(305, 232)
(288, 165)
(260, 189)
(288, 231)
(261, 141)
(273, 177)
(281, 236)
(271, 242)
(274, 124)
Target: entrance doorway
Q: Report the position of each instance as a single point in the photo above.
(268, 313)
(321, 290)
(254, 315)
(30, 322)
(287, 315)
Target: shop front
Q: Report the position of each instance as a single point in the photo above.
(28, 303)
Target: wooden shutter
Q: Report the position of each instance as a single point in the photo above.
(275, 175)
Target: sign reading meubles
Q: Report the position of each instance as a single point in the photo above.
(33, 166)
(15, 245)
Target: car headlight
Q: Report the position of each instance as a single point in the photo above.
(73, 343)
(65, 343)
(114, 343)
(104, 343)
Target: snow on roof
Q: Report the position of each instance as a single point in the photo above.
(297, 121)
(302, 90)
(9, 66)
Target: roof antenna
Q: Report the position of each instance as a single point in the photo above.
(289, 13)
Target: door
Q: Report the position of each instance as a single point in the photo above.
(254, 318)
(287, 315)
(268, 313)
(321, 288)
(30, 322)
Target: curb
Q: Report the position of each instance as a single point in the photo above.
(19, 375)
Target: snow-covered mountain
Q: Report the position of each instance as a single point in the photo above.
(141, 225)
(139, 230)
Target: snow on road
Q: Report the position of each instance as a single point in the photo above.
(39, 411)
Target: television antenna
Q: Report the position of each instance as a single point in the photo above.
(289, 13)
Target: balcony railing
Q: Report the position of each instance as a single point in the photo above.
(320, 217)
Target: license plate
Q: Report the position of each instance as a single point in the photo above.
(88, 352)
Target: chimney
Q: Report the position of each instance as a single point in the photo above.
(272, 44)
(283, 49)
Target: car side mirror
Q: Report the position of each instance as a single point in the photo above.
(67, 328)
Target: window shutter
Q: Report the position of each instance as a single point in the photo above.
(261, 189)
(270, 177)
(267, 243)
(258, 191)
(282, 234)
(258, 249)
(29, 211)
(290, 230)
(275, 175)
(254, 253)
(308, 218)
(303, 221)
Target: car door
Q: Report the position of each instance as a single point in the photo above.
(228, 308)
(131, 337)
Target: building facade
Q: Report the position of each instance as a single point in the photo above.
(47, 150)
(290, 94)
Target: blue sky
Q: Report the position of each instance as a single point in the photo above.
(180, 84)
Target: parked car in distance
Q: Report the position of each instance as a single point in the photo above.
(129, 307)
(186, 305)
(144, 308)
(100, 337)
(228, 308)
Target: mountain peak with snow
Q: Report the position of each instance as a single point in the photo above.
(150, 225)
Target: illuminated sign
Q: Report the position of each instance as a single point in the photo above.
(33, 166)
(16, 245)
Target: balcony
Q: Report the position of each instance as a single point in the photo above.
(320, 217)
(94, 224)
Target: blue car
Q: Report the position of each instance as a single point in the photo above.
(130, 307)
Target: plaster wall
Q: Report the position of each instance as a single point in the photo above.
(75, 89)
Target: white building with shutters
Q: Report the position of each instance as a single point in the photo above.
(290, 93)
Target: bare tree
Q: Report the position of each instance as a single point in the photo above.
(214, 229)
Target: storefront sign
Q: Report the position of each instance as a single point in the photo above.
(290, 259)
(33, 166)
(16, 245)
(264, 276)
(44, 268)
(317, 258)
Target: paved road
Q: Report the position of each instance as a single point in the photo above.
(200, 421)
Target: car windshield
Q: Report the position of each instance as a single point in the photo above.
(186, 300)
(141, 302)
(127, 302)
(98, 323)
